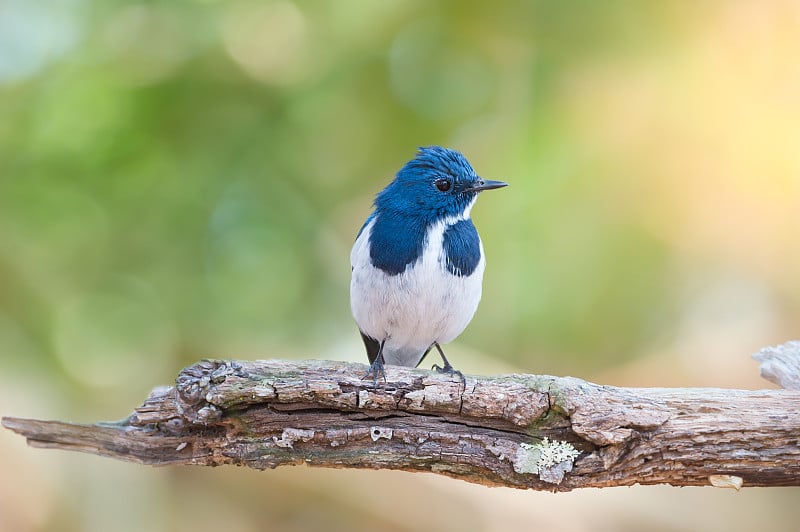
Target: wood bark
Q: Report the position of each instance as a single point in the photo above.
(505, 430)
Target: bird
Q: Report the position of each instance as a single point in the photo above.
(417, 262)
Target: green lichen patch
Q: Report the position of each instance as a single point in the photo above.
(550, 459)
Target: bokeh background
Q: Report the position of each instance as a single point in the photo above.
(184, 179)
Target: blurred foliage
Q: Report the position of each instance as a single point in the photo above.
(181, 179)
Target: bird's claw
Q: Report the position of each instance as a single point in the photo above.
(450, 370)
(375, 369)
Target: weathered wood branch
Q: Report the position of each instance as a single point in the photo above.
(507, 430)
(781, 364)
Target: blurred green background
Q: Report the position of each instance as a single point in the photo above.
(184, 179)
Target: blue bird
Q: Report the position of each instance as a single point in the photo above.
(417, 263)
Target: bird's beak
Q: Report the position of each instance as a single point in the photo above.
(486, 184)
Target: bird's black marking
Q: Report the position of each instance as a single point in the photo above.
(373, 347)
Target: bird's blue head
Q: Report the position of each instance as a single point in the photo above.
(437, 183)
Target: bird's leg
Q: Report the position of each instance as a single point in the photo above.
(448, 368)
(377, 367)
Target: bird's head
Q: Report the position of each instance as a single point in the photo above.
(435, 184)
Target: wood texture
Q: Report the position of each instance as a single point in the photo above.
(491, 430)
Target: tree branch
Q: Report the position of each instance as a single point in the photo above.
(521, 431)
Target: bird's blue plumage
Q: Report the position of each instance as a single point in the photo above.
(412, 194)
(396, 241)
(417, 262)
(462, 248)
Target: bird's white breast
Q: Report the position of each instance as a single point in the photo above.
(422, 305)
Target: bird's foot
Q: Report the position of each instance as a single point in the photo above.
(447, 369)
(450, 370)
(375, 369)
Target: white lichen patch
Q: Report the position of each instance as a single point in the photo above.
(289, 436)
(263, 389)
(363, 397)
(556, 452)
(549, 459)
(380, 432)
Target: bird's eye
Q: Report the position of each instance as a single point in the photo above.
(442, 184)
